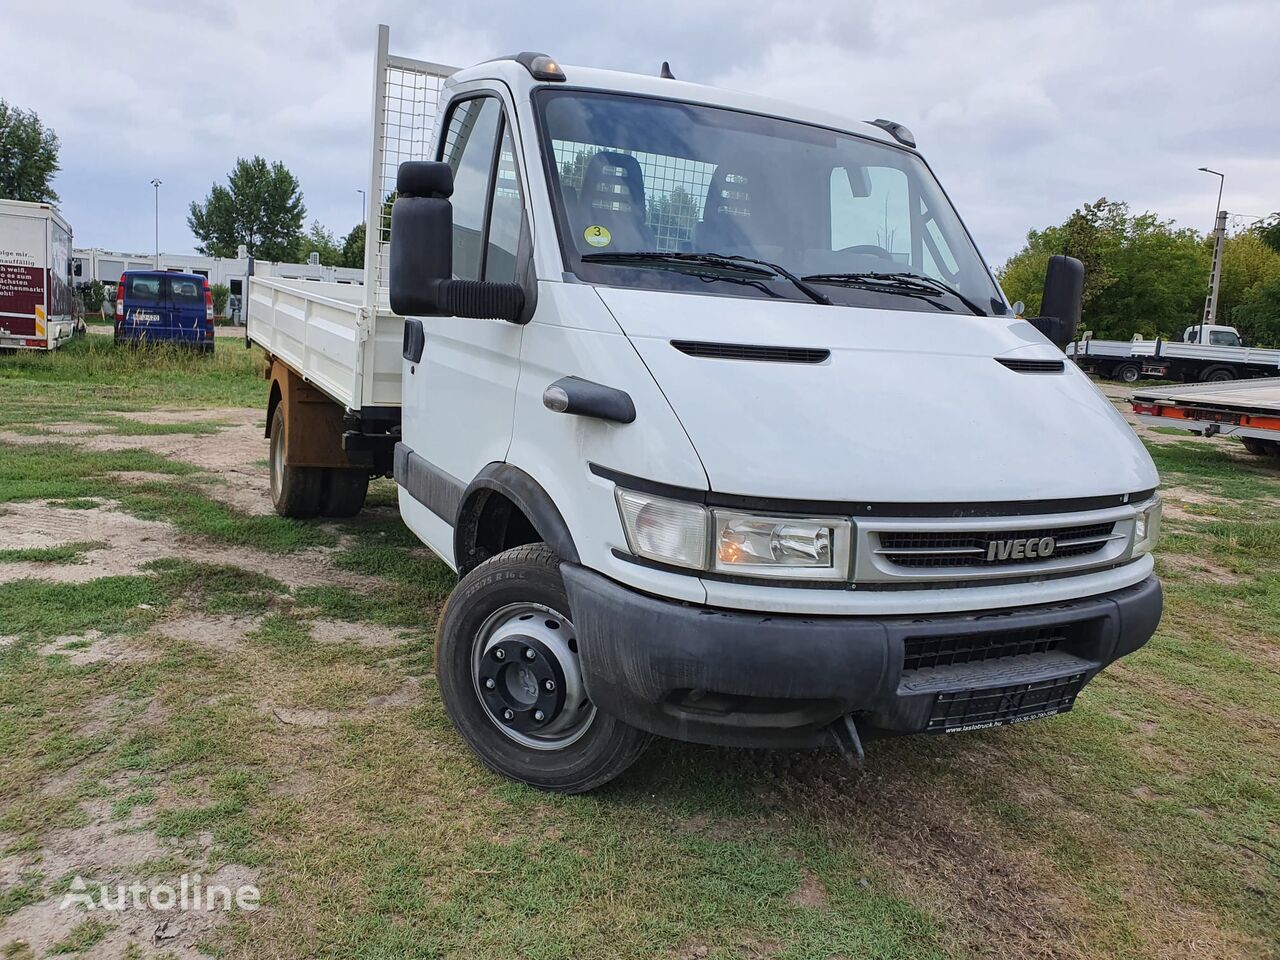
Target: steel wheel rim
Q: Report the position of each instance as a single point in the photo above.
(276, 456)
(526, 626)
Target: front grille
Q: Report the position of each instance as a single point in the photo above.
(970, 548)
(922, 652)
(976, 709)
(751, 351)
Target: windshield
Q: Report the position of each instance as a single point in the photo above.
(634, 175)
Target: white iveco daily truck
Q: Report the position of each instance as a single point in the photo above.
(715, 409)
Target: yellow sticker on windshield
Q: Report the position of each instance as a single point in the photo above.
(597, 236)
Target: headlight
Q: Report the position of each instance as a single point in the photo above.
(780, 546)
(1146, 527)
(671, 531)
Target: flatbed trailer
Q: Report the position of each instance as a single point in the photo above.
(1131, 360)
(1248, 409)
(334, 349)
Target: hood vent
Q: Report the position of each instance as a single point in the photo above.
(1031, 366)
(747, 351)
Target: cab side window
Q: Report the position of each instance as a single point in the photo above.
(488, 205)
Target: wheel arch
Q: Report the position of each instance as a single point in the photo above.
(273, 401)
(504, 507)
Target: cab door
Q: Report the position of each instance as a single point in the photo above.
(459, 400)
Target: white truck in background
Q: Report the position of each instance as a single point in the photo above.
(714, 408)
(1208, 352)
(36, 298)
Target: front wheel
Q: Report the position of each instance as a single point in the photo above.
(1218, 375)
(507, 664)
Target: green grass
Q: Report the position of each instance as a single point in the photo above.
(86, 934)
(92, 375)
(66, 553)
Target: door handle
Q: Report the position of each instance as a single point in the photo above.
(415, 339)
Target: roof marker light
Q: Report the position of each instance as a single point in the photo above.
(897, 131)
(540, 65)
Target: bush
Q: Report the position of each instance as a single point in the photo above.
(91, 296)
(221, 294)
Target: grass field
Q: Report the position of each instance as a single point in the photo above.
(189, 683)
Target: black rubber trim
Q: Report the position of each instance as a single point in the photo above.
(438, 491)
(528, 496)
(1032, 366)
(856, 509)
(751, 351)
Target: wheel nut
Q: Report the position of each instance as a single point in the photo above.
(539, 715)
(508, 714)
(489, 683)
(528, 653)
(499, 654)
(549, 685)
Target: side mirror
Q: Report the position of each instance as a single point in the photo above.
(421, 267)
(1060, 305)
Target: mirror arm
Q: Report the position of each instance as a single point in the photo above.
(481, 299)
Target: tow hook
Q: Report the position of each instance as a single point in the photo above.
(845, 733)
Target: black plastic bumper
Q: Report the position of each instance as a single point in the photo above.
(749, 679)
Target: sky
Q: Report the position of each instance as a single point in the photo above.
(1025, 110)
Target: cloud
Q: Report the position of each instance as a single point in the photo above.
(1024, 111)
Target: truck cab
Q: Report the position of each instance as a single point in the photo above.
(1215, 335)
(732, 437)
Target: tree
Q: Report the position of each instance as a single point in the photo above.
(261, 207)
(1268, 231)
(321, 241)
(28, 156)
(1141, 274)
(353, 248)
(220, 293)
(1248, 264)
(1259, 319)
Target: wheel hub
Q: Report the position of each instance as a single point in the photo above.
(527, 677)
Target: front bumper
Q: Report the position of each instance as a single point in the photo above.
(766, 680)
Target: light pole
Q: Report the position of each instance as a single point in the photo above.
(1219, 235)
(363, 201)
(155, 182)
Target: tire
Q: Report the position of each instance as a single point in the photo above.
(1217, 375)
(509, 601)
(1128, 373)
(1256, 446)
(344, 492)
(295, 491)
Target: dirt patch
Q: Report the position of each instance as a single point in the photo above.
(132, 543)
(94, 647)
(408, 694)
(364, 634)
(1200, 569)
(221, 634)
(810, 894)
(300, 717)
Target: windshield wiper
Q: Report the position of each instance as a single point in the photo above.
(893, 282)
(711, 259)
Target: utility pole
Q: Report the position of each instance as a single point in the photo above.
(363, 202)
(1219, 235)
(155, 182)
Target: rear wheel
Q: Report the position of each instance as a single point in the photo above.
(1256, 446)
(1218, 375)
(344, 492)
(295, 491)
(507, 664)
(1128, 373)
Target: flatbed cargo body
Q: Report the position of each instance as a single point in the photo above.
(1133, 360)
(1248, 409)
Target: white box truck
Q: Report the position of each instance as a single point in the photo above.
(36, 297)
(715, 409)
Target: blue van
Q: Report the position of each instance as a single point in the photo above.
(157, 307)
